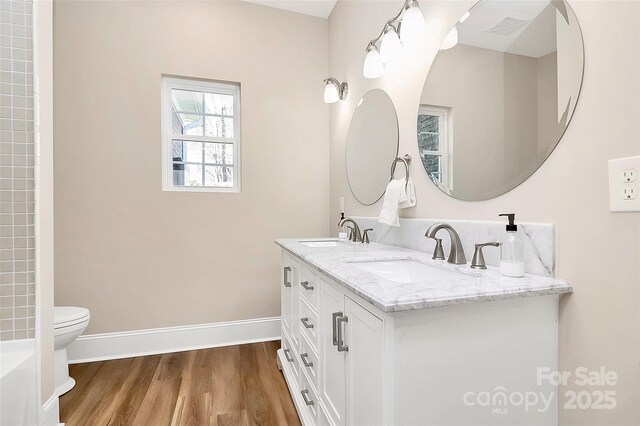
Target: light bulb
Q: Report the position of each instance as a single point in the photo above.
(373, 67)
(390, 47)
(450, 40)
(412, 27)
(331, 94)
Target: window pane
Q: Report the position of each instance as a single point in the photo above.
(433, 166)
(429, 141)
(192, 175)
(186, 101)
(215, 103)
(218, 153)
(221, 176)
(428, 123)
(188, 124)
(219, 127)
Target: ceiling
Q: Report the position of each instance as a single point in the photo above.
(520, 27)
(319, 8)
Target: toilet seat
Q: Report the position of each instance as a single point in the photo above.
(68, 316)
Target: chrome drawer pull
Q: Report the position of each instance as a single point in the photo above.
(287, 356)
(287, 271)
(306, 285)
(341, 346)
(305, 397)
(305, 322)
(334, 324)
(304, 357)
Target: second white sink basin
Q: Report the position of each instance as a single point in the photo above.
(404, 271)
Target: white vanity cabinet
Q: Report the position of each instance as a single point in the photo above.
(348, 362)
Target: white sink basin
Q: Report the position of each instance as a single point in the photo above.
(324, 243)
(404, 271)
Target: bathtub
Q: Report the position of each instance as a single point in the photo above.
(18, 404)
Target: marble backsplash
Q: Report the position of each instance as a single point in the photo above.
(539, 238)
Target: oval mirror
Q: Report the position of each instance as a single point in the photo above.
(499, 96)
(372, 145)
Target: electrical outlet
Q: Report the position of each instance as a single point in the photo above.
(629, 175)
(624, 184)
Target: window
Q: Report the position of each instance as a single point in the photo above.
(434, 143)
(200, 135)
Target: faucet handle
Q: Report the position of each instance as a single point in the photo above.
(365, 236)
(478, 258)
(438, 251)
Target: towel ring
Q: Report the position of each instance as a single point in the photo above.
(406, 159)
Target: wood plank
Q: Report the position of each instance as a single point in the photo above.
(234, 385)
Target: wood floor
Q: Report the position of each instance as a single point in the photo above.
(235, 385)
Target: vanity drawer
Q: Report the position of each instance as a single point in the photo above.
(309, 398)
(309, 287)
(291, 354)
(309, 324)
(309, 361)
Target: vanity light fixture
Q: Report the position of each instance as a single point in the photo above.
(335, 91)
(405, 28)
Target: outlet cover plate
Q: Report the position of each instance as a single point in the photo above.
(624, 184)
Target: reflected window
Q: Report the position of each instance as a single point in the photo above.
(434, 143)
(201, 126)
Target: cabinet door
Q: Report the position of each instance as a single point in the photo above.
(290, 304)
(285, 293)
(364, 335)
(332, 362)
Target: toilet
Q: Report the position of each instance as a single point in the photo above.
(68, 322)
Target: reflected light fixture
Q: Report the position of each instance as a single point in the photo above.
(335, 91)
(451, 39)
(406, 27)
(412, 26)
(373, 67)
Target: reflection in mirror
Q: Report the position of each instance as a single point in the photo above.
(499, 96)
(372, 145)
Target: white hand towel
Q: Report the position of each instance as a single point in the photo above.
(391, 203)
(408, 197)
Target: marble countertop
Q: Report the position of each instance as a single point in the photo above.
(341, 264)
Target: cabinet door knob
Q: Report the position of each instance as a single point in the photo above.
(306, 323)
(306, 285)
(305, 397)
(305, 360)
(287, 271)
(341, 346)
(287, 356)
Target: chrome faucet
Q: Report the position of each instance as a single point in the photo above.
(456, 255)
(355, 234)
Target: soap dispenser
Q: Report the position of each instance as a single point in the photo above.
(512, 250)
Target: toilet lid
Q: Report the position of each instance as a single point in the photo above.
(64, 316)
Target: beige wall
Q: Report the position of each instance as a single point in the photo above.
(138, 257)
(597, 250)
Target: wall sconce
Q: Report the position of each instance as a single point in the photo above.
(335, 91)
(404, 29)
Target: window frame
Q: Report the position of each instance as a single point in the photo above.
(208, 86)
(445, 142)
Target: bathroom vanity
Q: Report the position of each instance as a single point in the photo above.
(381, 335)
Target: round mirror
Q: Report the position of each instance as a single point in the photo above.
(499, 96)
(372, 145)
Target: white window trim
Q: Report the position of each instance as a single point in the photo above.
(169, 83)
(446, 141)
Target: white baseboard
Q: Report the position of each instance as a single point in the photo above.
(51, 412)
(100, 347)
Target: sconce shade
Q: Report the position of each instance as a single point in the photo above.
(450, 40)
(390, 46)
(412, 27)
(373, 67)
(331, 94)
